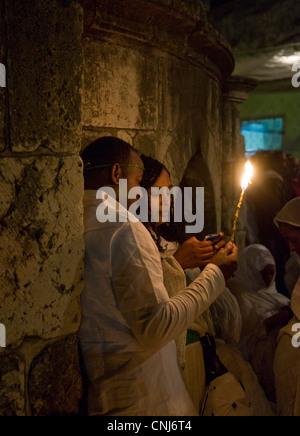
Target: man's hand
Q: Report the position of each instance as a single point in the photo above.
(194, 254)
(227, 260)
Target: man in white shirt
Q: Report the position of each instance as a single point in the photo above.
(128, 321)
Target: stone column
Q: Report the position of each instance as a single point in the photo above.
(154, 73)
(235, 92)
(41, 244)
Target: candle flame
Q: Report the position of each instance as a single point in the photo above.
(247, 176)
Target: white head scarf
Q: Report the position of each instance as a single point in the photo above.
(257, 302)
(252, 261)
(290, 214)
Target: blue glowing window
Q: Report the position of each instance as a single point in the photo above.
(262, 134)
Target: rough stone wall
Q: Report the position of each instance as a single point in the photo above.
(41, 244)
(154, 78)
(154, 75)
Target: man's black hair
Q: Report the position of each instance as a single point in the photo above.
(106, 150)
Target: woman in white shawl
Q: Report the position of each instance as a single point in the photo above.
(287, 357)
(264, 311)
(222, 321)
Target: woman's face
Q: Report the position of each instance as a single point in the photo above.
(292, 235)
(268, 274)
(163, 181)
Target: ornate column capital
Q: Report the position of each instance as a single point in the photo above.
(236, 89)
(178, 27)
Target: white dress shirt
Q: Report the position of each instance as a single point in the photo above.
(129, 323)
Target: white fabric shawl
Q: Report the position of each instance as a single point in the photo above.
(252, 261)
(256, 302)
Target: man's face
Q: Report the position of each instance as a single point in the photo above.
(292, 235)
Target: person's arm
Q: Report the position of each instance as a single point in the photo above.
(137, 281)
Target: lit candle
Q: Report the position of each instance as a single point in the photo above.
(245, 183)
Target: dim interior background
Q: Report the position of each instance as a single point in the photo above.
(265, 38)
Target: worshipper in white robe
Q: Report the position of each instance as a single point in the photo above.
(224, 395)
(264, 311)
(128, 320)
(287, 356)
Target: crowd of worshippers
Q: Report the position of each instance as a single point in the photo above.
(276, 181)
(177, 326)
